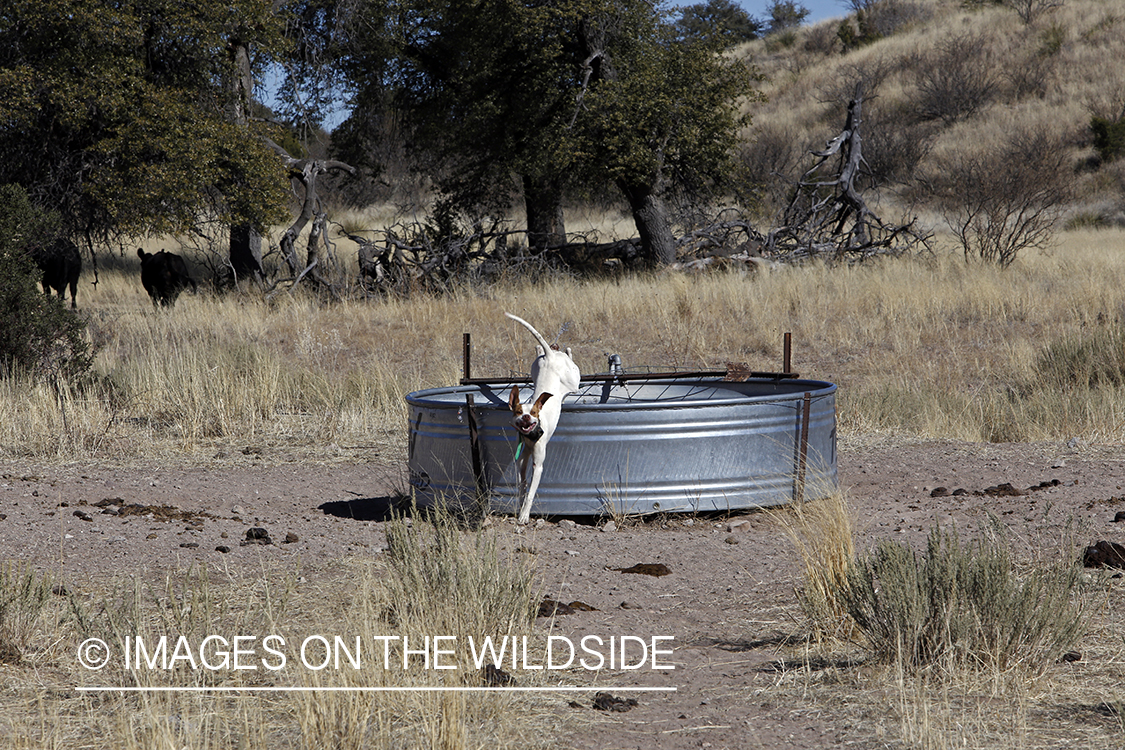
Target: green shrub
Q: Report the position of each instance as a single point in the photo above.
(40, 337)
(1109, 137)
(962, 606)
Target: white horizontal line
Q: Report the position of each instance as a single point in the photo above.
(220, 689)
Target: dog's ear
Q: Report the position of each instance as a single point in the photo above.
(514, 398)
(539, 402)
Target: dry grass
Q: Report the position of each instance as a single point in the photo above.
(979, 691)
(928, 347)
(822, 532)
(437, 581)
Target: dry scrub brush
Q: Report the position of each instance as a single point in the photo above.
(963, 605)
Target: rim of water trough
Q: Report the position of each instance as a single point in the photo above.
(791, 388)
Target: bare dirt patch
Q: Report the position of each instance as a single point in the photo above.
(725, 589)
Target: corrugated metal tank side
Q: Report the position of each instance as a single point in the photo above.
(694, 446)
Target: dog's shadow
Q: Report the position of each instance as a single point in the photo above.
(367, 508)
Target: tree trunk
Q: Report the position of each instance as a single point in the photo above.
(246, 252)
(546, 227)
(658, 246)
(245, 240)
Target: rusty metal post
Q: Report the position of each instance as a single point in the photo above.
(803, 449)
(474, 445)
(787, 361)
(466, 356)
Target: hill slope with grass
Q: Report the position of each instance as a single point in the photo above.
(946, 82)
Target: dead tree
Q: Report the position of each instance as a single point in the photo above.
(307, 172)
(827, 215)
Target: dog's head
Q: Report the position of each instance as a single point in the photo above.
(525, 417)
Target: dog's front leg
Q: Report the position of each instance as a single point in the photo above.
(522, 465)
(538, 454)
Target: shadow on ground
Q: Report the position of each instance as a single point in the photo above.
(366, 508)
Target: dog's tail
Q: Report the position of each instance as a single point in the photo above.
(542, 341)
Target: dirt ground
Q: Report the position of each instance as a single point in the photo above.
(728, 600)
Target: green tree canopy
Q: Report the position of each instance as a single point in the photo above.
(556, 93)
(120, 114)
(721, 21)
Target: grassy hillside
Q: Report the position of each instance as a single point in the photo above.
(946, 77)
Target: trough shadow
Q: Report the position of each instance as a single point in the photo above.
(367, 508)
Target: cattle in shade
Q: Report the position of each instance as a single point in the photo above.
(60, 262)
(164, 275)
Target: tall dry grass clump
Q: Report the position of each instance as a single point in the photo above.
(822, 533)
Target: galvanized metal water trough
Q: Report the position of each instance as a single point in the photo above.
(687, 442)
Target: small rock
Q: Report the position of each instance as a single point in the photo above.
(572, 552)
(647, 569)
(111, 510)
(83, 515)
(939, 492)
(731, 540)
(607, 702)
(223, 535)
(689, 522)
(257, 535)
(291, 538)
(550, 608)
(566, 523)
(189, 545)
(60, 590)
(1104, 554)
(609, 526)
(1071, 656)
(222, 548)
(630, 605)
(540, 523)
(1119, 516)
(238, 511)
(738, 527)
(1003, 490)
(151, 536)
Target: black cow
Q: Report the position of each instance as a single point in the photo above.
(61, 264)
(164, 275)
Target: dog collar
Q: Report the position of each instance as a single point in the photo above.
(531, 437)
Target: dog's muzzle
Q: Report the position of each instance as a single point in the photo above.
(532, 431)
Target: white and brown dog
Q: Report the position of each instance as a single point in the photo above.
(554, 375)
